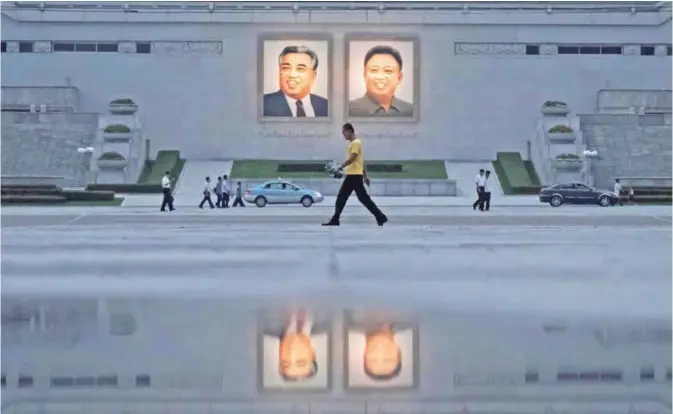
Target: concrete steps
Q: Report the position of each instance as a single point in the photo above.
(464, 173)
(194, 173)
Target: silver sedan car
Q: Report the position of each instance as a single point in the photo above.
(281, 192)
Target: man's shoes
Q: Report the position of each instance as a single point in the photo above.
(381, 221)
(331, 223)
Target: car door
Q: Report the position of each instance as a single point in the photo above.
(292, 193)
(568, 193)
(273, 193)
(583, 193)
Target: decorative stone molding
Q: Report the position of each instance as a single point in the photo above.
(117, 137)
(490, 49)
(203, 48)
(12, 47)
(127, 47)
(549, 49)
(555, 110)
(42, 46)
(111, 164)
(567, 165)
(168, 48)
(631, 50)
(561, 138)
(123, 109)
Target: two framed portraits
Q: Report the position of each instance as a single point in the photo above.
(380, 81)
(295, 352)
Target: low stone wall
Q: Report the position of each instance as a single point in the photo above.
(32, 180)
(646, 181)
(379, 187)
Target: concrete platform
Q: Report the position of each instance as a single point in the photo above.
(491, 296)
(136, 200)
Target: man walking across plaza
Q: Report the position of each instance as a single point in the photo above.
(355, 180)
(480, 182)
(206, 194)
(166, 190)
(225, 191)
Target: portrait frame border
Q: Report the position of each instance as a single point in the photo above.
(347, 322)
(259, 332)
(384, 37)
(307, 36)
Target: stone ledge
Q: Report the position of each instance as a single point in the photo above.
(32, 180)
(380, 186)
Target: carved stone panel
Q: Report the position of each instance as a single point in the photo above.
(203, 48)
(548, 49)
(42, 46)
(168, 48)
(127, 47)
(490, 49)
(12, 47)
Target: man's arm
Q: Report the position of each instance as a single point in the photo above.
(350, 160)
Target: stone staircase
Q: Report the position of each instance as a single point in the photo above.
(628, 145)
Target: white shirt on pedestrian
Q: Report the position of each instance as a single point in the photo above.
(480, 180)
(487, 187)
(225, 186)
(166, 182)
(206, 188)
(618, 188)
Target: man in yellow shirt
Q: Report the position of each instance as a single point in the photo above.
(355, 180)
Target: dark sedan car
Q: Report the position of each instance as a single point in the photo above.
(575, 193)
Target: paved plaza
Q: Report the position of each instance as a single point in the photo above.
(479, 284)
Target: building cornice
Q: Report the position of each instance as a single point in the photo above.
(414, 13)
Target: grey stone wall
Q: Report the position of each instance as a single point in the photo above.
(470, 105)
(629, 146)
(46, 144)
(39, 95)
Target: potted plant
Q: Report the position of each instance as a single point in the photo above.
(568, 162)
(117, 133)
(123, 106)
(561, 134)
(555, 108)
(111, 161)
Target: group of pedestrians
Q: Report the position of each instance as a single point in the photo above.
(222, 191)
(483, 202)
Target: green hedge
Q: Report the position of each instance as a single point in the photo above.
(515, 176)
(166, 161)
(78, 195)
(117, 129)
(32, 199)
(122, 101)
(515, 169)
(31, 191)
(26, 186)
(126, 188)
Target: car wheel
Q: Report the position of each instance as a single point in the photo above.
(260, 201)
(306, 201)
(604, 201)
(556, 201)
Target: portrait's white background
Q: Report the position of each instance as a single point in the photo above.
(271, 51)
(356, 371)
(271, 378)
(356, 64)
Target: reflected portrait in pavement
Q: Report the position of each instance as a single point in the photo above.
(380, 353)
(294, 350)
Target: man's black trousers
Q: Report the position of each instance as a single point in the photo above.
(168, 199)
(355, 183)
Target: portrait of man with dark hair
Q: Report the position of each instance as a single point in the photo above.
(380, 354)
(383, 69)
(299, 68)
(294, 351)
